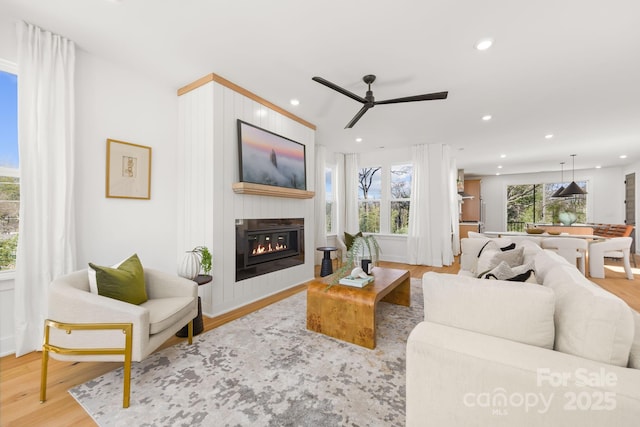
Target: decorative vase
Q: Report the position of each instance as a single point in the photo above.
(567, 218)
(189, 268)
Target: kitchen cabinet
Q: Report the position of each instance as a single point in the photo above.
(466, 228)
(471, 206)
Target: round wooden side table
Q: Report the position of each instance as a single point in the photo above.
(326, 268)
(198, 325)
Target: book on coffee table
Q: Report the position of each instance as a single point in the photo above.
(358, 282)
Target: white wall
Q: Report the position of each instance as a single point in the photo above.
(605, 200)
(113, 102)
(208, 167)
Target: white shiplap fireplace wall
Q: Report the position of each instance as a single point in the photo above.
(207, 206)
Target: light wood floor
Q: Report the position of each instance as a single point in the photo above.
(20, 377)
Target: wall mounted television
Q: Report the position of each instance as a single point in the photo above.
(270, 159)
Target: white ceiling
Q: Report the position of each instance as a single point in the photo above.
(570, 68)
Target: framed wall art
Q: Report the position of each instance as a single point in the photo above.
(128, 170)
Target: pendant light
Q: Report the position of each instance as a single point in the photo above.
(561, 189)
(573, 189)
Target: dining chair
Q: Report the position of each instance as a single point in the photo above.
(572, 249)
(616, 247)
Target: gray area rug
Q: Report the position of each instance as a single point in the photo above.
(266, 369)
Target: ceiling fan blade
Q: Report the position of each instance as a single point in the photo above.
(426, 97)
(337, 88)
(357, 117)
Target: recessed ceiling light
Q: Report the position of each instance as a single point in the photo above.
(623, 156)
(502, 156)
(358, 139)
(499, 166)
(598, 166)
(484, 44)
(486, 118)
(497, 173)
(549, 136)
(261, 112)
(295, 102)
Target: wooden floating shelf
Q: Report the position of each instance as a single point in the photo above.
(270, 190)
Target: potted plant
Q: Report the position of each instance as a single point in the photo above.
(363, 248)
(205, 258)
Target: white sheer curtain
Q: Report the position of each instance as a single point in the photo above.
(429, 240)
(320, 223)
(46, 243)
(352, 222)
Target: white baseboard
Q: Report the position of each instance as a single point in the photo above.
(7, 346)
(392, 258)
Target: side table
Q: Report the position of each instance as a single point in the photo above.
(198, 325)
(326, 268)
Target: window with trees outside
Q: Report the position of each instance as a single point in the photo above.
(369, 192)
(9, 176)
(532, 203)
(400, 200)
(329, 194)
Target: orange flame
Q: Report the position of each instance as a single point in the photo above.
(261, 249)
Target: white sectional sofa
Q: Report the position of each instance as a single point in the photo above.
(559, 352)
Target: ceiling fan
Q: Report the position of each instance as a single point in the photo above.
(370, 102)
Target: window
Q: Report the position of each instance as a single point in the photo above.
(400, 199)
(9, 176)
(369, 192)
(532, 203)
(330, 198)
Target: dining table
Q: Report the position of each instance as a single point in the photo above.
(590, 237)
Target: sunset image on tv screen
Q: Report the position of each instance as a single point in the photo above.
(270, 159)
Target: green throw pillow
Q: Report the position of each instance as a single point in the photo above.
(125, 283)
(349, 238)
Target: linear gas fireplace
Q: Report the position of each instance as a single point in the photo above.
(267, 245)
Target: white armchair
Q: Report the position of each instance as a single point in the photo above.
(616, 247)
(84, 326)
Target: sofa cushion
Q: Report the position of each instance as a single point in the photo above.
(523, 273)
(493, 245)
(590, 322)
(125, 283)
(504, 272)
(473, 248)
(500, 272)
(165, 312)
(520, 312)
(91, 273)
(490, 258)
(350, 238)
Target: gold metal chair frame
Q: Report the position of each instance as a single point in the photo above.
(127, 329)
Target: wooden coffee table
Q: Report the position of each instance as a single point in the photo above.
(349, 313)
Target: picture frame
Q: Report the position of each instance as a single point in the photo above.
(128, 170)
